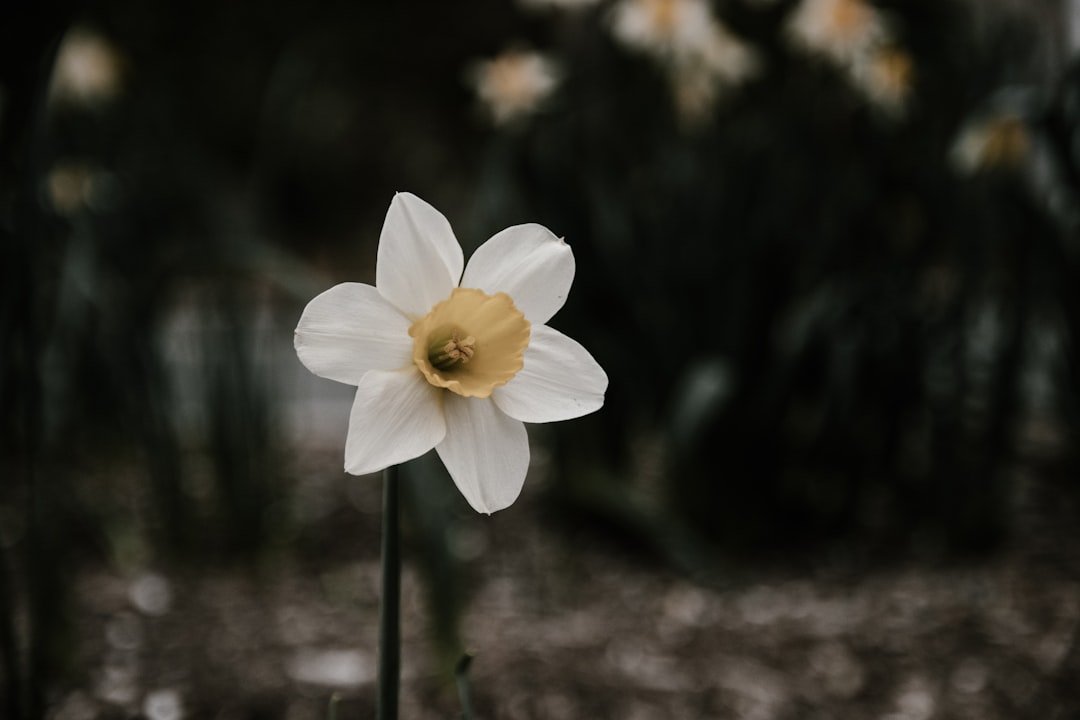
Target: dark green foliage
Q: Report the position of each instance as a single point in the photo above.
(870, 311)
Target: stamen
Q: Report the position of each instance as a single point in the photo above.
(455, 351)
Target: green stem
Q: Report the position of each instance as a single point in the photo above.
(390, 608)
(461, 675)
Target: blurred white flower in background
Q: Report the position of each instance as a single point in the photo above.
(1000, 141)
(683, 32)
(859, 39)
(886, 76)
(72, 186)
(701, 55)
(88, 69)
(842, 30)
(726, 57)
(666, 28)
(514, 84)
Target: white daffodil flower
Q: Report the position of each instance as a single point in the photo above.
(996, 142)
(88, 69)
(702, 56)
(842, 30)
(514, 84)
(886, 76)
(664, 28)
(450, 360)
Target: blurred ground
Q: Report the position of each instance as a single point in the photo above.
(566, 624)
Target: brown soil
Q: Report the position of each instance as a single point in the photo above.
(564, 624)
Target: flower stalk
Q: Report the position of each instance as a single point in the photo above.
(390, 607)
(461, 676)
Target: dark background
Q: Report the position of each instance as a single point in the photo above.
(843, 368)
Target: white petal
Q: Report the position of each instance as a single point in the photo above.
(560, 380)
(419, 260)
(528, 263)
(486, 452)
(350, 329)
(395, 417)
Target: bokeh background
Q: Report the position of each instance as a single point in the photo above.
(827, 252)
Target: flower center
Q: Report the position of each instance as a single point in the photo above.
(455, 351)
(471, 342)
